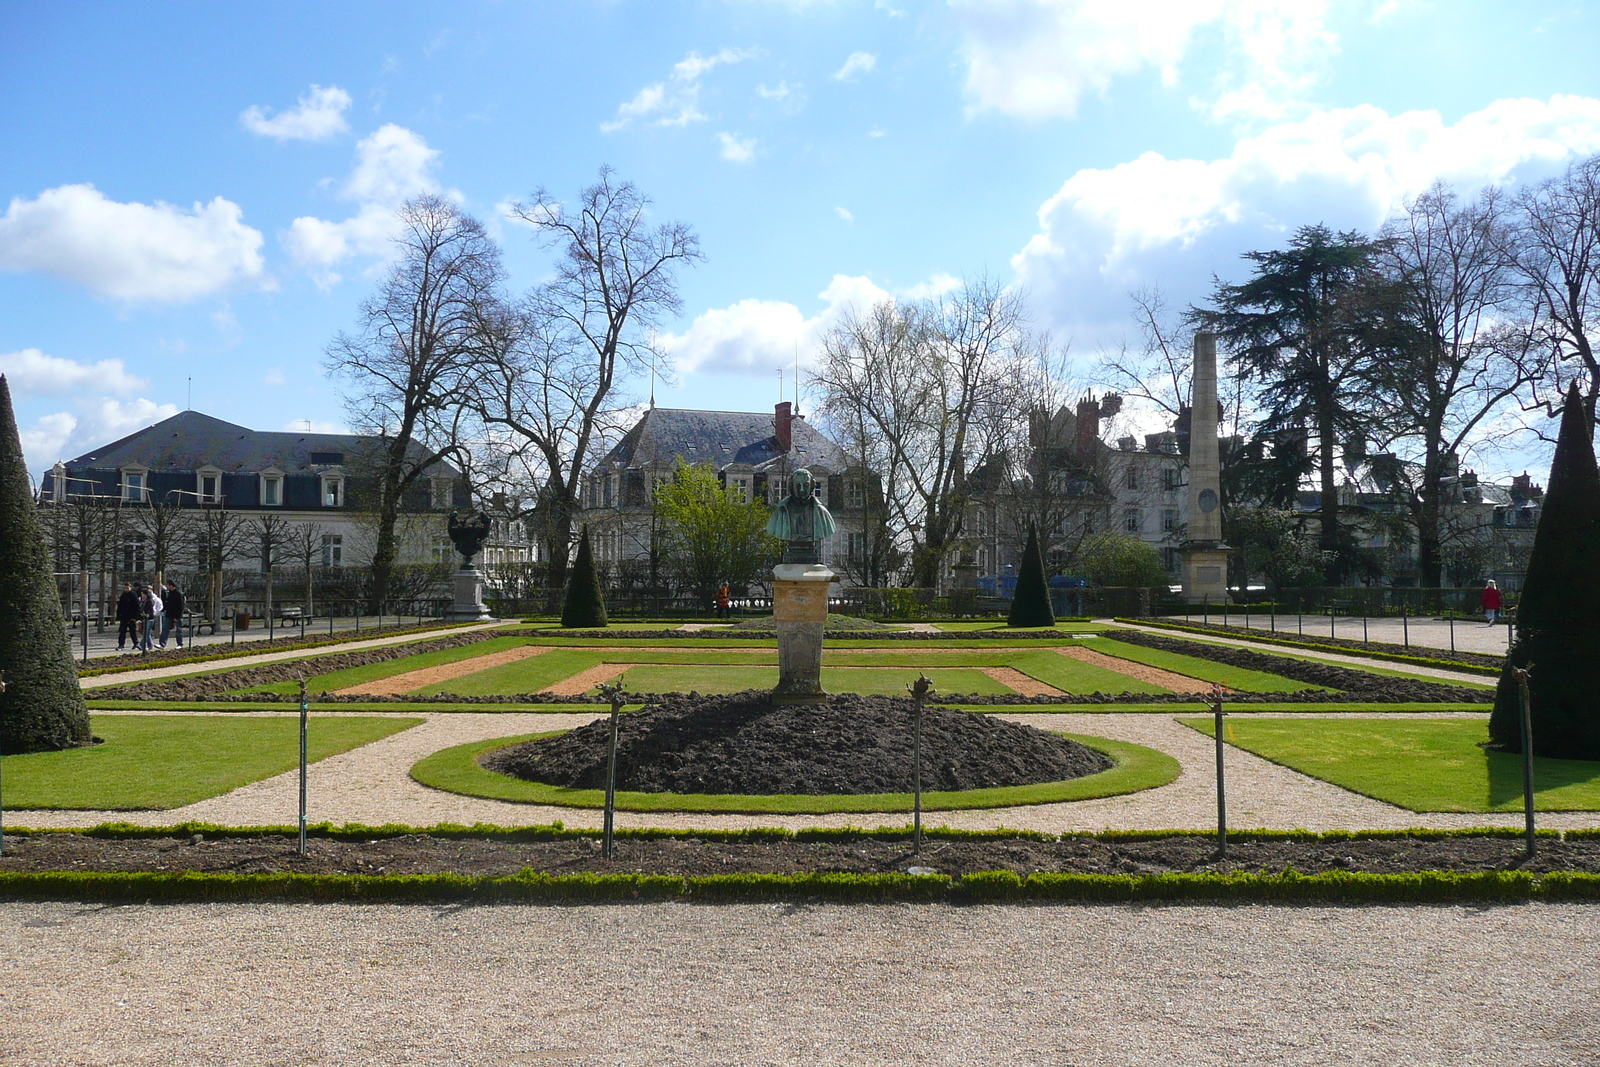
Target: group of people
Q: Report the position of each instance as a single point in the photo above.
(148, 616)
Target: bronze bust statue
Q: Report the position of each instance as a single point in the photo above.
(468, 531)
(801, 521)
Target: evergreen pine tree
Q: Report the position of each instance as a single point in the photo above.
(585, 607)
(1558, 617)
(42, 709)
(1030, 606)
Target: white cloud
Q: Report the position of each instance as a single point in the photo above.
(754, 336)
(98, 421)
(319, 116)
(675, 101)
(736, 149)
(392, 165)
(1039, 58)
(1175, 221)
(782, 91)
(273, 377)
(857, 64)
(31, 372)
(133, 252)
(844, 213)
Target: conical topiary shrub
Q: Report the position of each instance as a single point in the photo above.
(1030, 605)
(1558, 617)
(42, 708)
(585, 607)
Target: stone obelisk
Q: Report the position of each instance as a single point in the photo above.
(1205, 557)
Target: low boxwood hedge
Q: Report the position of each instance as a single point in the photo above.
(1349, 648)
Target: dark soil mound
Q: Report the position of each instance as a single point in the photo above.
(744, 743)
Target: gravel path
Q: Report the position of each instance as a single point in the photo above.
(679, 984)
(371, 785)
(1169, 680)
(1018, 682)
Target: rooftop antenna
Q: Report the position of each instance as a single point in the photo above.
(652, 380)
(189, 405)
(797, 379)
(780, 385)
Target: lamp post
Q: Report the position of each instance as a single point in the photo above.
(1521, 674)
(1215, 700)
(919, 691)
(305, 711)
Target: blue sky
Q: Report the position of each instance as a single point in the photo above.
(203, 190)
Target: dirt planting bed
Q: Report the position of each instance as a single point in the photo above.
(423, 853)
(744, 743)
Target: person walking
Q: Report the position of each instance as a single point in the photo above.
(151, 607)
(127, 617)
(1491, 601)
(172, 616)
(722, 600)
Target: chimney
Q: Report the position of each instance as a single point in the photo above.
(1087, 434)
(783, 425)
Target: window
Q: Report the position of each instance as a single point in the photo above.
(1132, 479)
(332, 490)
(777, 488)
(208, 483)
(444, 550)
(133, 555)
(855, 546)
(1170, 560)
(1171, 478)
(443, 494)
(1169, 519)
(855, 495)
(133, 487)
(271, 490)
(333, 550)
(1133, 520)
(740, 484)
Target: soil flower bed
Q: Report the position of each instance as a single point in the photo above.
(423, 853)
(744, 743)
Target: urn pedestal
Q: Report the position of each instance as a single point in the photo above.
(467, 604)
(800, 610)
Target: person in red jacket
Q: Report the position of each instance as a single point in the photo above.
(1491, 601)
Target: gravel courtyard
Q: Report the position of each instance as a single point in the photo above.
(268, 985)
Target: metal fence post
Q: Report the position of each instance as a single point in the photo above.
(1215, 700)
(919, 692)
(305, 710)
(1521, 674)
(1405, 623)
(608, 845)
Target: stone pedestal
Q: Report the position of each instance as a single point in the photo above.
(467, 605)
(800, 609)
(1205, 573)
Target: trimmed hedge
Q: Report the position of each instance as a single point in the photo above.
(990, 887)
(208, 653)
(1353, 648)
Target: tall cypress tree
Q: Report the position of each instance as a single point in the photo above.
(585, 607)
(42, 709)
(1558, 628)
(1030, 605)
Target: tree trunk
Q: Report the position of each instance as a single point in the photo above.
(558, 542)
(1329, 538)
(384, 552)
(1430, 562)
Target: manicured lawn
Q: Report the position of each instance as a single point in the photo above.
(1245, 681)
(334, 680)
(456, 770)
(166, 761)
(970, 625)
(663, 678)
(1420, 764)
(1075, 676)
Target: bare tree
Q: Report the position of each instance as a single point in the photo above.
(928, 383)
(553, 391)
(1458, 359)
(221, 536)
(165, 526)
(1157, 369)
(273, 536)
(431, 323)
(1557, 253)
(303, 544)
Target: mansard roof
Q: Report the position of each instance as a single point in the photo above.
(662, 436)
(191, 440)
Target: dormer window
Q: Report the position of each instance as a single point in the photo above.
(134, 485)
(443, 494)
(208, 485)
(332, 490)
(271, 495)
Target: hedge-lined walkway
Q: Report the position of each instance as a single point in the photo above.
(371, 785)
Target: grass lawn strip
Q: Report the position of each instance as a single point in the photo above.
(333, 681)
(1423, 765)
(1237, 678)
(167, 761)
(712, 678)
(417, 679)
(456, 770)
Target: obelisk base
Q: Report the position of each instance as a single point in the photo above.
(800, 610)
(1205, 573)
(467, 605)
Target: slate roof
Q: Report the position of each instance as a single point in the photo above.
(663, 435)
(190, 440)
